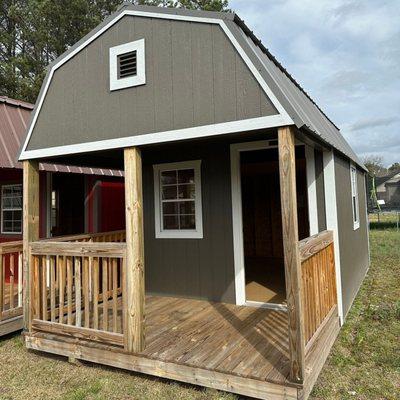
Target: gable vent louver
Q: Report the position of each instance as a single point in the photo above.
(127, 65)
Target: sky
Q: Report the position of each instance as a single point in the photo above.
(346, 54)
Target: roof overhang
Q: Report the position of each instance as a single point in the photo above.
(221, 19)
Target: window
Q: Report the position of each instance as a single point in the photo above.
(127, 65)
(354, 197)
(11, 209)
(177, 195)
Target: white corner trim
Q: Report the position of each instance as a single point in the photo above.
(332, 220)
(140, 78)
(354, 193)
(159, 137)
(283, 115)
(160, 233)
(312, 191)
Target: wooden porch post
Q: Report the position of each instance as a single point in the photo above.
(30, 230)
(135, 290)
(287, 173)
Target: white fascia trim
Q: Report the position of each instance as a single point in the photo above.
(272, 121)
(312, 191)
(283, 115)
(332, 220)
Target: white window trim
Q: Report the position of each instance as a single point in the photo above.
(354, 193)
(2, 209)
(177, 233)
(140, 77)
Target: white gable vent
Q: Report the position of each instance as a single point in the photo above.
(127, 65)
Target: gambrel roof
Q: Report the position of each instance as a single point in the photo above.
(293, 104)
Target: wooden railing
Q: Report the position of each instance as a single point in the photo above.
(318, 280)
(77, 288)
(10, 280)
(110, 237)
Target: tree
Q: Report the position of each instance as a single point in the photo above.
(374, 164)
(395, 167)
(33, 33)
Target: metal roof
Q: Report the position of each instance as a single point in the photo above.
(14, 119)
(301, 108)
(298, 104)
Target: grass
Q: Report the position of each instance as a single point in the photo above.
(364, 363)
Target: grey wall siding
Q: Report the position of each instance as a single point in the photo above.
(194, 77)
(199, 268)
(319, 177)
(353, 243)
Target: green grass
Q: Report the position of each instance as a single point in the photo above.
(364, 363)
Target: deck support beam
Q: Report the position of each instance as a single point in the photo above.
(135, 289)
(30, 231)
(287, 174)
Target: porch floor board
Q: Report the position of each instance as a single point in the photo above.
(235, 348)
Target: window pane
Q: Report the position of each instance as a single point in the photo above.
(355, 209)
(187, 207)
(188, 222)
(170, 222)
(169, 192)
(170, 208)
(7, 202)
(17, 226)
(186, 191)
(7, 226)
(17, 216)
(186, 176)
(168, 177)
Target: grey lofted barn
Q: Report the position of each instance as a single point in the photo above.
(246, 230)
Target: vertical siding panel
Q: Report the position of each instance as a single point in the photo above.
(127, 98)
(182, 77)
(224, 60)
(203, 88)
(162, 47)
(109, 103)
(248, 92)
(144, 109)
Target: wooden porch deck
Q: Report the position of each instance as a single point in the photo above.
(234, 348)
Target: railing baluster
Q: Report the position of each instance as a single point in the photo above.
(61, 290)
(95, 293)
(115, 293)
(69, 290)
(20, 279)
(52, 289)
(86, 283)
(43, 285)
(78, 293)
(105, 293)
(11, 268)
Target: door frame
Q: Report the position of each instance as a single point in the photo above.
(237, 215)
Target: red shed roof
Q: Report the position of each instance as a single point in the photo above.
(14, 118)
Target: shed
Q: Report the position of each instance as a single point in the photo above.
(246, 232)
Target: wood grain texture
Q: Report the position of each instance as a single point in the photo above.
(314, 244)
(30, 229)
(287, 173)
(135, 289)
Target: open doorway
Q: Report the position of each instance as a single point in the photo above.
(262, 223)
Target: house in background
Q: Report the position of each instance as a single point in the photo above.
(246, 232)
(73, 200)
(388, 190)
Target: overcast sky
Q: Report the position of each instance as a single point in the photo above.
(346, 54)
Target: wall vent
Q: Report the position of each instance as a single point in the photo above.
(127, 64)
